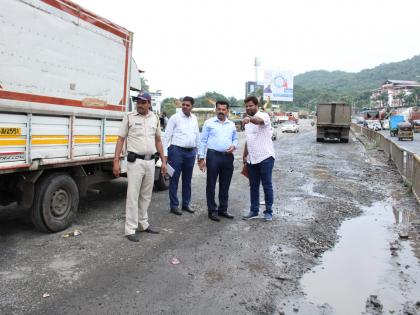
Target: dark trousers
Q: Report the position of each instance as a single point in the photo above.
(218, 165)
(261, 173)
(182, 162)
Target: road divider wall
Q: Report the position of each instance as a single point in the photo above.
(407, 163)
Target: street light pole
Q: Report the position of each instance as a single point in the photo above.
(256, 65)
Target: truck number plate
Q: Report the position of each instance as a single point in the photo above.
(10, 131)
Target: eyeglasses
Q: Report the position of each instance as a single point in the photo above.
(141, 102)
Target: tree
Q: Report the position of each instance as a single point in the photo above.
(169, 106)
(410, 99)
(144, 85)
(400, 97)
(416, 94)
(384, 99)
(207, 99)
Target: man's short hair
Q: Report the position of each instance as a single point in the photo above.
(222, 102)
(252, 99)
(188, 99)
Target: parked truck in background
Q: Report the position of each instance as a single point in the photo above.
(394, 120)
(64, 89)
(414, 118)
(333, 122)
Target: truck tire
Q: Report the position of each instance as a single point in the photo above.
(319, 139)
(162, 183)
(55, 203)
(344, 140)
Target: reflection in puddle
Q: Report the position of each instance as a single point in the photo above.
(308, 187)
(402, 216)
(361, 264)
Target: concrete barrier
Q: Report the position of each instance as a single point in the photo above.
(407, 163)
(416, 177)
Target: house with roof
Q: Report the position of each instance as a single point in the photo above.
(392, 92)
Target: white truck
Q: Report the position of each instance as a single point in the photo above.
(65, 80)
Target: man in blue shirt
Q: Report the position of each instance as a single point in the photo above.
(220, 139)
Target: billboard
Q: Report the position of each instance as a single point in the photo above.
(278, 85)
(251, 87)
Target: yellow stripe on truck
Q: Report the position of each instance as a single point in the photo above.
(111, 139)
(54, 139)
(49, 139)
(86, 139)
(12, 142)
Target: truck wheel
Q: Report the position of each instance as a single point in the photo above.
(55, 203)
(163, 182)
(344, 140)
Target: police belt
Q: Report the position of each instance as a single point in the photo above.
(146, 157)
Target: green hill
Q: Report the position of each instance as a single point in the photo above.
(320, 85)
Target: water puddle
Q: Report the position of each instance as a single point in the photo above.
(361, 264)
(308, 188)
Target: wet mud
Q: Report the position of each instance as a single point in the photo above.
(336, 205)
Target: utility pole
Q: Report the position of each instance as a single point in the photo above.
(256, 65)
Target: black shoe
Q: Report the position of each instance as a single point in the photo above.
(226, 215)
(133, 237)
(188, 209)
(214, 217)
(176, 211)
(149, 230)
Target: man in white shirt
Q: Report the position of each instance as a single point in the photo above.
(180, 148)
(259, 156)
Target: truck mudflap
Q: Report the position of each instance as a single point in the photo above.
(333, 133)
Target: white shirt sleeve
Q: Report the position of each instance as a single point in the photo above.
(266, 118)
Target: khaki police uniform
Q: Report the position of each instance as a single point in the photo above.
(140, 132)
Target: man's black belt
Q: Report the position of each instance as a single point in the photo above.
(182, 148)
(146, 157)
(218, 152)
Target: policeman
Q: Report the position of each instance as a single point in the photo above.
(141, 129)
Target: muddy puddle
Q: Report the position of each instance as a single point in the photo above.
(362, 264)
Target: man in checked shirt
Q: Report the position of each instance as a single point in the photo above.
(259, 156)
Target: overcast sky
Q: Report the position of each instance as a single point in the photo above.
(189, 47)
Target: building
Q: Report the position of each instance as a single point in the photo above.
(251, 87)
(391, 93)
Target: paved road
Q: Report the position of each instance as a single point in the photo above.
(231, 267)
(412, 146)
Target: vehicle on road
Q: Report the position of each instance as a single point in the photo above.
(61, 106)
(405, 131)
(393, 124)
(414, 118)
(385, 124)
(333, 122)
(416, 125)
(289, 126)
(373, 124)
